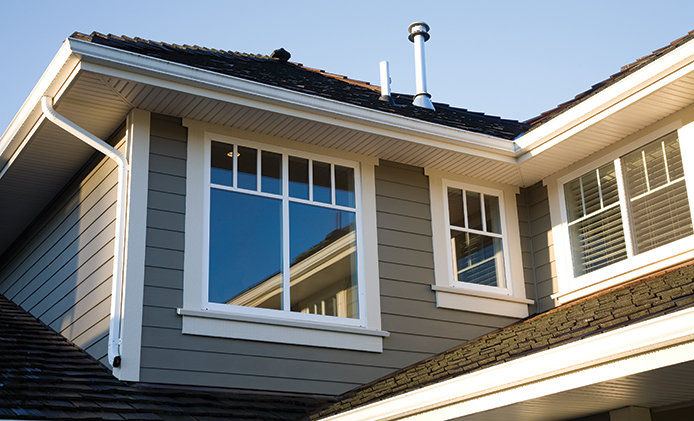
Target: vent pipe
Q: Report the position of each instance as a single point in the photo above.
(385, 82)
(419, 34)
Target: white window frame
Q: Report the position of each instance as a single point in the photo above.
(571, 287)
(201, 317)
(505, 284)
(507, 299)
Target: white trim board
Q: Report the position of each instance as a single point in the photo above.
(640, 347)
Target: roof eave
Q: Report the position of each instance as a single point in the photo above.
(606, 102)
(167, 74)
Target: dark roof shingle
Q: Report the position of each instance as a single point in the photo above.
(296, 77)
(43, 376)
(664, 292)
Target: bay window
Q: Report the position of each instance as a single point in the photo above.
(627, 207)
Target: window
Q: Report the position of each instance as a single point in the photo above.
(628, 207)
(475, 236)
(282, 232)
(478, 265)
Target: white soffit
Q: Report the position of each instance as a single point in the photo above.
(598, 132)
(166, 101)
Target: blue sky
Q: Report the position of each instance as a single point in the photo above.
(509, 58)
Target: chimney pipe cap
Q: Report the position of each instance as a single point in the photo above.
(418, 28)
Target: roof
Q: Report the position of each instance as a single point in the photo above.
(625, 71)
(43, 376)
(645, 298)
(299, 78)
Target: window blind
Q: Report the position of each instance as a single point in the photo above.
(595, 220)
(657, 193)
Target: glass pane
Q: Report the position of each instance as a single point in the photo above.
(574, 199)
(634, 173)
(455, 207)
(478, 259)
(222, 163)
(608, 184)
(247, 160)
(323, 256)
(674, 158)
(492, 214)
(298, 177)
(474, 210)
(591, 197)
(245, 250)
(344, 186)
(597, 241)
(272, 172)
(321, 182)
(655, 164)
(661, 217)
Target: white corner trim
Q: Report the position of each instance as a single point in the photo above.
(276, 330)
(138, 130)
(644, 346)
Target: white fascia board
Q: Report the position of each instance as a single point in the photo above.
(613, 98)
(587, 361)
(184, 78)
(51, 83)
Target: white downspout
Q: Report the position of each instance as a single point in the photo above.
(117, 280)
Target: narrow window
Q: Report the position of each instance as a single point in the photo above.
(476, 237)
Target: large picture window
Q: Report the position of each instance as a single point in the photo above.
(627, 207)
(282, 232)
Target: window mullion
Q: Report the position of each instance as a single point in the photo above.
(236, 165)
(624, 208)
(332, 183)
(310, 180)
(285, 233)
(482, 213)
(465, 208)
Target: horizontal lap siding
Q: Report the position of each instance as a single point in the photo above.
(536, 242)
(60, 269)
(409, 313)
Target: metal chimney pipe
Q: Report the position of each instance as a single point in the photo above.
(385, 82)
(419, 34)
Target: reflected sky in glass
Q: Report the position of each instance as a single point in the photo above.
(245, 249)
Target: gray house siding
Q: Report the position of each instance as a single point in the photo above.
(539, 265)
(60, 269)
(418, 329)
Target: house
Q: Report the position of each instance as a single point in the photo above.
(194, 233)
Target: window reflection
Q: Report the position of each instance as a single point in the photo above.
(245, 250)
(298, 177)
(344, 186)
(222, 163)
(272, 172)
(321, 182)
(323, 273)
(478, 259)
(247, 160)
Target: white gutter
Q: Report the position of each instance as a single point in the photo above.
(158, 72)
(119, 241)
(637, 348)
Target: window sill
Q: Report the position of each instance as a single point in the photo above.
(266, 329)
(481, 302)
(652, 261)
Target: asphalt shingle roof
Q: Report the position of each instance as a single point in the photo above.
(43, 376)
(296, 77)
(658, 294)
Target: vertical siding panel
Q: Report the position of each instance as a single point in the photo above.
(418, 328)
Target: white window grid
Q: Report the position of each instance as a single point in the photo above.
(504, 281)
(285, 312)
(633, 259)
